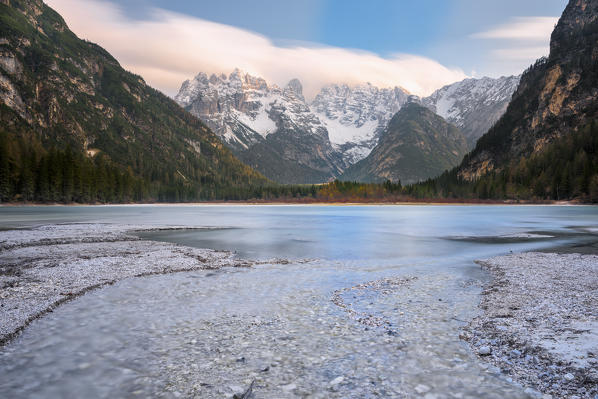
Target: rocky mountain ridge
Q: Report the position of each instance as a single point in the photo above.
(556, 97)
(270, 128)
(473, 105)
(344, 122)
(416, 145)
(356, 115)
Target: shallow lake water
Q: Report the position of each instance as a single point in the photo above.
(370, 304)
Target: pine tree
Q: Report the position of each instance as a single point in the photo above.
(5, 187)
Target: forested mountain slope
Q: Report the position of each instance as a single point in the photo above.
(417, 144)
(75, 126)
(556, 96)
(545, 145)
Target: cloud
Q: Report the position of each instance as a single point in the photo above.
(520, 53)
(169, 48)
(522, 40)
(521, 28)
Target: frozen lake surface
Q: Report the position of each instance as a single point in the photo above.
(369, 304)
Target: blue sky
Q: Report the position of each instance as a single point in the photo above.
(433, 28)
(453, 33)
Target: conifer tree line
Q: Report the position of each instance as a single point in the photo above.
(30, 173)
(566, 169)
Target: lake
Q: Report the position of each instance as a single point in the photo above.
(369, 301)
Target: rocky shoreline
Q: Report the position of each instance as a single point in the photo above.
(539, 322)
(538, 325)
(43, 267)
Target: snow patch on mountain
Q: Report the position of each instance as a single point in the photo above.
(244, 110)
(342, 133)
(356, 115)
(259, 120)
(473, 105)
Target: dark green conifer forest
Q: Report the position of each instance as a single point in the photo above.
(566, 169)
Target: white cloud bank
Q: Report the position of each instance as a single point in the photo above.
(522, 28)
(171, 48)
(526, 38)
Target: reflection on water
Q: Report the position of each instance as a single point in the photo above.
(209, 334)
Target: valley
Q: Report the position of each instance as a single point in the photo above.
(318, 199)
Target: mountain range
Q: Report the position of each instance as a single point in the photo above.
(276, 129)
(76, 127)
(272, 129)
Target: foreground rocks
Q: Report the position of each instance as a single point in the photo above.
(540, 322)
(291, 330)
(43, 267)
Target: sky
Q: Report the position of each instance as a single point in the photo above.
(419, 45)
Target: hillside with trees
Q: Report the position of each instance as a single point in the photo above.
(417, 144)
(75, 126)
(544, 146)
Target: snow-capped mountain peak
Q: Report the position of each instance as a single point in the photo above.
(234, 106)
(339, 127)
(356, 115)
(245, 111)
(473, 105)
(294, 90)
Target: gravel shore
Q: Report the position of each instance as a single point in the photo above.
(539, 322)
(41, 268)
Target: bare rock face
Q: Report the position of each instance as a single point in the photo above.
(555, 97)
(355, 116)
(270, 128)
(273, 128)
(473, 105)
(226, 104)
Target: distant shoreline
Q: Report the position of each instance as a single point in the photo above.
(311, 203)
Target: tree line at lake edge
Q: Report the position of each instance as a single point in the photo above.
(567, 169)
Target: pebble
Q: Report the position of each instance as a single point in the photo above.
(532, 392)
(289, 387)
(485, 351)
(337, 381)
(223, 343)
(76, 267)
(532, 297)
(422, 388)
